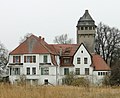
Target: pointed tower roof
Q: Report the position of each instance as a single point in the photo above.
(86, 20)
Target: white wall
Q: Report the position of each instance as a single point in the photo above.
(52, 78)
(83, 55)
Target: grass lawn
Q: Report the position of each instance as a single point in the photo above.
(12, 91)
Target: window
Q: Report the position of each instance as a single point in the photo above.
(17, 71)
(85, 60)
(45, 71)
(86, 28)
(34, 59)
(29, 59)
(86, 71)
(77, 71)
(78, 60)
(90, 28)
(16, 59)
(28, 71)
(46, 82)
(98, 73)
(45, 59)
(82, 28)
(107, 73)
(14, 71)
(66, 60)
(103, 73)
(34, 70)
(82, 51)
(66, 71)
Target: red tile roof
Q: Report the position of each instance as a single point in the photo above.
(37, 45)
(32, 45)
(65, 49)
(99, 64)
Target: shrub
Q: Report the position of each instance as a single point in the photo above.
(106, 80)
(73, 80)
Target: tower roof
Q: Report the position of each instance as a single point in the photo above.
(86, 20)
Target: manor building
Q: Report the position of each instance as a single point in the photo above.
(43, 63)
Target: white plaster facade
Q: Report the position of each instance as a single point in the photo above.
(55, 73)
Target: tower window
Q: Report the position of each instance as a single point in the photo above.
(90, 28)
(86, 28)
(82, 28)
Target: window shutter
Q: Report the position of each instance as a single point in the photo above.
(13, 59)
(30, 59)
(24, 59)
(19, 59)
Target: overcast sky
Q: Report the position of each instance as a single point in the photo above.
(49, 18)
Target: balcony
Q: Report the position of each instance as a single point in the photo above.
(15, 63)
(44, 63)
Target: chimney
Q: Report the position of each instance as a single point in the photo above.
(39, 37)
(43, 38)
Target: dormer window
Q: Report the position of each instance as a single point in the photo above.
(66, 60)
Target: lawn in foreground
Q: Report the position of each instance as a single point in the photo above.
(13, 91)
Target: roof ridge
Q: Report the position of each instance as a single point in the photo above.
(39, 40)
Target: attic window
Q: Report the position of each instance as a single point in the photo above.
(82, 51)
(66, 60)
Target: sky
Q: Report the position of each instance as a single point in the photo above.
(50, 18)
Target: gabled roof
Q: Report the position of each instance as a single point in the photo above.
(32, 45)
(65, 49)
(37, 45)
(99, 64)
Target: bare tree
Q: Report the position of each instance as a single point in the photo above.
(63, 39)
(3, 60)
(107, 41)
(25, 37)
(3, 54)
